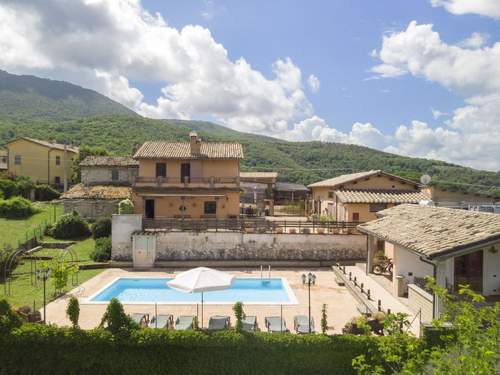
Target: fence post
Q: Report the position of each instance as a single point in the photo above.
(368, 294)
(379, 305)
(350, 275)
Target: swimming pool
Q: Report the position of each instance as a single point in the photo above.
(155, 290)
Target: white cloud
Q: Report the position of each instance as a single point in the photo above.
(419, 51)
(489, 8)
(313, 83)
(106, 44)
(476, 40)
(436, 114)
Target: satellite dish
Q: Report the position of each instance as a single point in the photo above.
(425, 179)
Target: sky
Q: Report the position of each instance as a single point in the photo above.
(415, 77)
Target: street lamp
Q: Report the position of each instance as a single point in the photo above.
(43, 274)
(309, 279)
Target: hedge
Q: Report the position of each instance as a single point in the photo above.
(45, 193)
(101, 228)
(16, 208)
(40, 349)
(102, 250)
(70, 226)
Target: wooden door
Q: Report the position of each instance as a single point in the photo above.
(469, 270)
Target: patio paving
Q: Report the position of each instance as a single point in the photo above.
(341, 306)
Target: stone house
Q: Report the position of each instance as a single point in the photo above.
(453, 246)
(109, 170)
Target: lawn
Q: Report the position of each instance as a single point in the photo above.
(24, 293)
(14, 231)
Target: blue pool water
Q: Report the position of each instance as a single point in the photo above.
(271, 291)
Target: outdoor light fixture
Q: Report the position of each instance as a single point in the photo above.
(43, 274)
(309, 279)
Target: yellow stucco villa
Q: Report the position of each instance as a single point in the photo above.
(43, 162)
(192, 179)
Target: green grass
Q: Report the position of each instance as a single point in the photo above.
(13, 232)
(24, 293)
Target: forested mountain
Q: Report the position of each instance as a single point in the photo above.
(52, 110)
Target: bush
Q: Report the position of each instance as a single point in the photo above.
(73, 311)
(70, 226)
(8, 318)
(116, 321)
(54, 350)
(101, 228)
(125, 207)
(240, 315)
(16, 208)
(45, 193)
(9, 188)
(102, 250)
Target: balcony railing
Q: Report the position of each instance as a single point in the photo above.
(187, 181)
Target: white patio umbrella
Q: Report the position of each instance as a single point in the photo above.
(201, 279)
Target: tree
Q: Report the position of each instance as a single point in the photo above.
(324, 320)
(240, 315)
(115, 320)
(73, 311)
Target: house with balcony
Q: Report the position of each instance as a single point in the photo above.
(193, 179)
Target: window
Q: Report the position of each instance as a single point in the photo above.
(355, 216)
(376, 207)
(57, 180)
(161, 170)
(114, 175)
(330, 194)
(210, 208)
(186, 172)
(58, 160)
(17, 159)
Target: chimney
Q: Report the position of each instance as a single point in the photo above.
(195, 143)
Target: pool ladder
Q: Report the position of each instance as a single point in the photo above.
(262, 271)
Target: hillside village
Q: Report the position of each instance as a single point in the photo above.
(236, 189)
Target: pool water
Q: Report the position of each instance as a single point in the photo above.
(151, 290)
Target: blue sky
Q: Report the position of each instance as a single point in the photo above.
(418, 78)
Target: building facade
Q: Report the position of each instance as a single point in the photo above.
(359, 196)
(192, 179)
(109, 170)
(43, 162)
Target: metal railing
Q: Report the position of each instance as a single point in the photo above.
(252, 225)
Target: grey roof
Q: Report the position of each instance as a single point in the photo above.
(109, 161)
(433, 231)
(380, 196)
(288, 186)
(182, 150)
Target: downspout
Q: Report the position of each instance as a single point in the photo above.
(434, 273)
(48, 166)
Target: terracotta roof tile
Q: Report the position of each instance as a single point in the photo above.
(97, 192)
(346, 178)
(182, 150)
(109, 161)
(433, 231)
(381, 196)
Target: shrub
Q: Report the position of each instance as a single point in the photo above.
(16, 208)
(9, 188)
(45, 193)
(324, 320)
(73, 311)
(8, 318)
(101, 228)
(239, 314)
(70, 226)
(115, 320)
(125, 207)
(102, 250)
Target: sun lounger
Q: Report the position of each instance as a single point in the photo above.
(218, 322)
(250, 323)
(275, 324)
(301, 324)
(140, 318)
(184, 322)
(162, 321)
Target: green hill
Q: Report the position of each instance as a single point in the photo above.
(26, 98)
(46, 109)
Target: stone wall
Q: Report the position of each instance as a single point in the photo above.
(102, 175)
(122, 227)
(231, 246)
(420, 300)
(91, 208)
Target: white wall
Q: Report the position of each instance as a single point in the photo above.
(122, 227)
(491, 271)
(409, 265)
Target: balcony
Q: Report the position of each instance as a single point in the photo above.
(187, 182)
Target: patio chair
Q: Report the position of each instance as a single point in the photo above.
(250, 323)
(275, 324)
(218, 322)
(301, 324)
(141, 319)
(162, 321)
(184, 322)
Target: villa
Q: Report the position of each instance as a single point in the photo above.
(192, 179)
(456, 247)
(359, 196)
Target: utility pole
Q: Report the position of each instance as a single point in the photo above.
(65, 160)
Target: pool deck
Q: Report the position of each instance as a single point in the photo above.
(341, 306)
